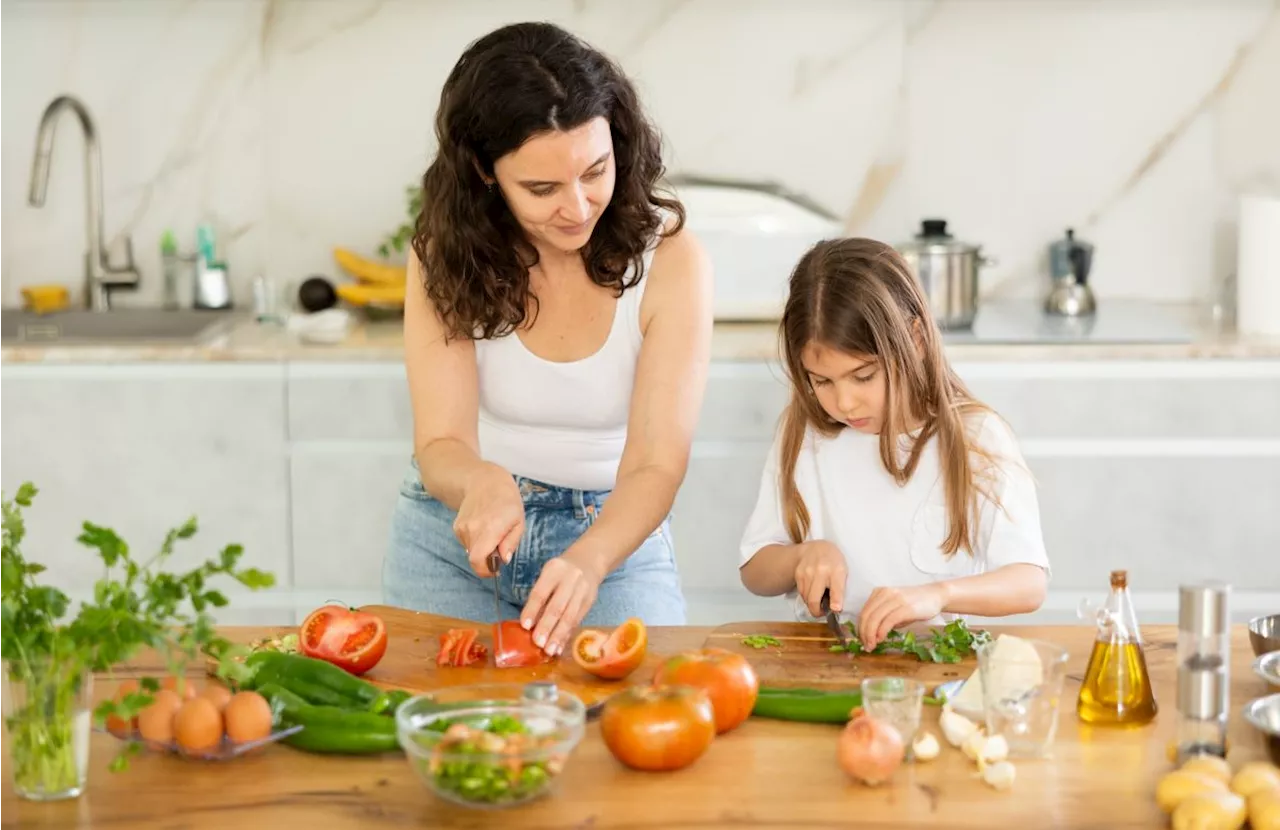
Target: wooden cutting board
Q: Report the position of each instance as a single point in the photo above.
(413, 640)
(804, 658)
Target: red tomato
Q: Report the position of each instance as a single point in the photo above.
(458, 647)
(350, 639)
(612, 656)
(658, 728)
(517, 646)
(728, 679)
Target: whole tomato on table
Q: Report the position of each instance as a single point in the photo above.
(350, 639)
(658, 728)
(726, 677)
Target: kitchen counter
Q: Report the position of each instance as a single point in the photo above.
(764, 774)
(243, 340)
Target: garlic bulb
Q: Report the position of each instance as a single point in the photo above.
(925, 747)
(956, 728)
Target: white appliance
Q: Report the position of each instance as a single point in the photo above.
(755, 233)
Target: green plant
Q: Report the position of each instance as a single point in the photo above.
(399, 238)
(948, 644)
(135, 606)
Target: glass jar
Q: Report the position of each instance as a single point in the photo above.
(48, 712)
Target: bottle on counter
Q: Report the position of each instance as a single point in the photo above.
(169, 266)
(1116, 690)
(1204, 661)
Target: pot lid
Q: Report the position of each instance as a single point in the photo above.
(933, 238)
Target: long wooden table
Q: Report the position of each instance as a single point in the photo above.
(765, 774)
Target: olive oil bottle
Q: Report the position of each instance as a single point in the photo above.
(1116, 690)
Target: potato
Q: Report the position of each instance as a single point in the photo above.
(1179, 785)
(1264, 810)
(1210, 765)
(1211, 811)
(1255, 776)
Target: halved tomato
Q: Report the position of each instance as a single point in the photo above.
(726, 676)
(658, 728)
(513, 647)
(350, 639)
(615, 655)
(458, 647)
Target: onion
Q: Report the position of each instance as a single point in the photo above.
(869, 749)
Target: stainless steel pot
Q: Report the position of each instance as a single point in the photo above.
(948, 271)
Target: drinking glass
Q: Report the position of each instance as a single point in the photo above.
(896, 701)
(1021, 693)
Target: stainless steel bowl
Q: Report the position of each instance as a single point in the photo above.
(1264, 714)
(1268, 667)
(1264, 634)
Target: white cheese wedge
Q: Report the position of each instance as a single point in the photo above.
(1017, 668)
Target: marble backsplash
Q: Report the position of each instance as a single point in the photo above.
(295, 125)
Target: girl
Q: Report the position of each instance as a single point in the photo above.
(888, 484)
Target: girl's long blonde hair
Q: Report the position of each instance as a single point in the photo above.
(858, 296)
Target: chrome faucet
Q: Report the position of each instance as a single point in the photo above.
(100, 276)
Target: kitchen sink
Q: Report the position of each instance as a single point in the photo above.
(18, 326)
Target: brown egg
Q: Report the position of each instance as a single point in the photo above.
(219, 694)
(155, 723)
(198, 725)
(117, 725)
(248, 717)
(188, 686)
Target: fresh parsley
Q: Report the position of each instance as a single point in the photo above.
(135, 605)
(949, 644)
(761, 641)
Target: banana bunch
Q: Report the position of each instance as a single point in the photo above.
(377, 283)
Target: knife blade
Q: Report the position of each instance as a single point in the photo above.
(494, 561)
(833, 619)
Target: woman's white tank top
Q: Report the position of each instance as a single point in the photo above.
(563, 424)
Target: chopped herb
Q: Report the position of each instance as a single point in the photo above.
(761, 641)
(949, 644)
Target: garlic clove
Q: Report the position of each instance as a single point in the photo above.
(973, 745)
(999, 775)
(994, 749)
(955, 728)
(925, 747)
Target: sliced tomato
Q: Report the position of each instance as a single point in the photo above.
(458, 647)
(615, 655)
(513, 647)
(350, 639)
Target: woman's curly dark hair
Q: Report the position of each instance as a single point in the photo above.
(508, 86)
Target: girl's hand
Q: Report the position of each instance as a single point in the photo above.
(821, 566)
(490, 517)
(888, 608)
(562, 595)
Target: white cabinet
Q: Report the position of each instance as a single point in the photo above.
(1168, 468)
(139, 449)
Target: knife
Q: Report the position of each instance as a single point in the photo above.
(494, 561)
(833, 620)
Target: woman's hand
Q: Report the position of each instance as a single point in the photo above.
(821, 566)
(561, 597)
(490, 517)
(888, 608)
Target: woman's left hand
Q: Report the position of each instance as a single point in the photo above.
(561, 597)
(888, 608)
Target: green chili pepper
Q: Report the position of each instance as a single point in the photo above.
(330, 728)
(483, 779)
(316, 681)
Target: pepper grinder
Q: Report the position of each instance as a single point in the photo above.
(1204, 660)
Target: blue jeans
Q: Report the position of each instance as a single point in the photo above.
(426, 568)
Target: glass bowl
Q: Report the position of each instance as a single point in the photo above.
(491, 745)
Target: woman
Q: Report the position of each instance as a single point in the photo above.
(557, 334)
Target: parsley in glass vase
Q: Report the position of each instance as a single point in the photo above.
(50, 657)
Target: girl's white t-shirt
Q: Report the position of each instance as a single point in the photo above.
(891, 535)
